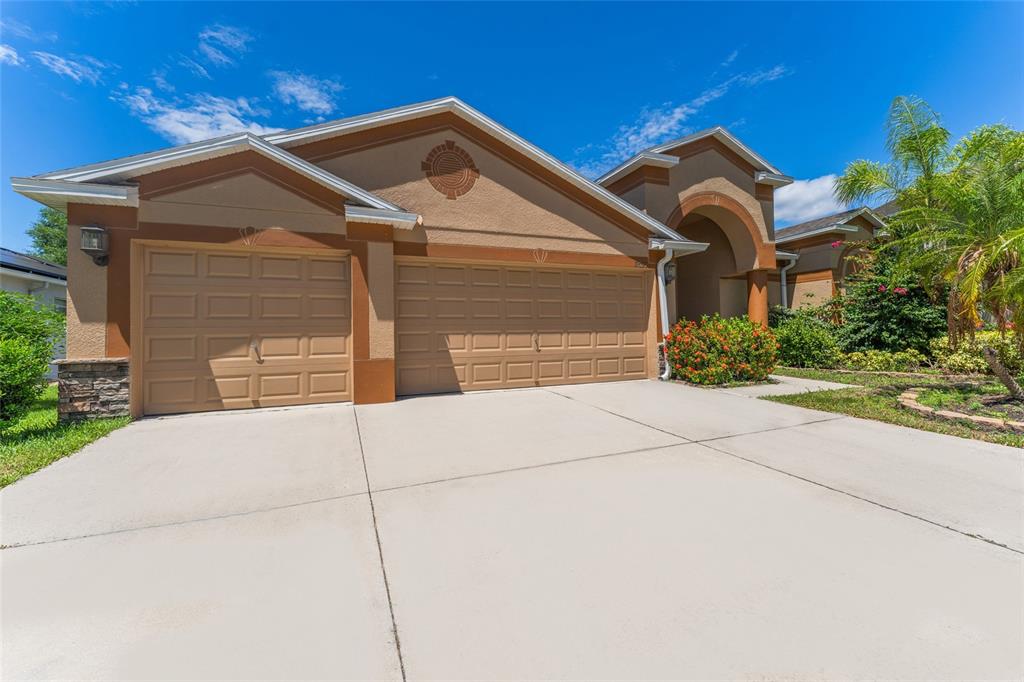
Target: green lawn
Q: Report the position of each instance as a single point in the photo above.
(873, 396)
(36, 440)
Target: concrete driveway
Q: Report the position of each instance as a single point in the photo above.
(630, 530)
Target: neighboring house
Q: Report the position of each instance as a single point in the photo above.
(816, 257)
(42, 280)
(416, 250)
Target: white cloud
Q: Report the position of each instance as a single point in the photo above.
(806, 200)
(730, 59)
(16, 28)
(199, 117)
(658, 124)
(308, 93)
(195, 67)
(81, 68)
(8, 55)
(221, 44)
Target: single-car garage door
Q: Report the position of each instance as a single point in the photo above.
(464, 326)
(225, 329)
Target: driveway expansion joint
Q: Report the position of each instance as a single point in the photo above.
(380, 549)
(973, 536)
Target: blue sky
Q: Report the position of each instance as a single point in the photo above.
(806, 85)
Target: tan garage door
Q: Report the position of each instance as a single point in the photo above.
(231, 329)
(476, 326)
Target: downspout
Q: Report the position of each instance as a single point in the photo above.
(672, 248)
(663, 299)
(783, 287)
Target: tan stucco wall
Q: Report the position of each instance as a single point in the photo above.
(774, 293)
(698, 276)
(732, 295)
(506, 207)
(245, 200)
(709, 171)
(381, 286)
(811, 293)
(87, 302)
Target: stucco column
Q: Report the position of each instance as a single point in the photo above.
(373, 330)
(757, 296)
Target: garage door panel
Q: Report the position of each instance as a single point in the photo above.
(514, 326)
(198, 330)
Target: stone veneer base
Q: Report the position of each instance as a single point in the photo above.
(93, 389)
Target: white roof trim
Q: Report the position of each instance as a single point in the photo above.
(786, 255)
(872, 217)
(133, 166)
(835, 227)
(718, 132)
(684, 246)
(398, 219)
(638, 161)
(773, 179)
(58, 193)
(14, 273)
(464, 111)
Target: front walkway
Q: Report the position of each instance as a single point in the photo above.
(630, 530)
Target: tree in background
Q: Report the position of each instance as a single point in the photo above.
(49, 235)
(959, 231)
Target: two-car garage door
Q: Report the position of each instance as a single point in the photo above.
(463, 326)
(228, 329)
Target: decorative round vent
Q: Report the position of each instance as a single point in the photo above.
(450, 169)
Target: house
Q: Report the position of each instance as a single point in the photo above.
(421, 249)
(816, 257)
(42, 280)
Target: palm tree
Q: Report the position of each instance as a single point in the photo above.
(960, 227)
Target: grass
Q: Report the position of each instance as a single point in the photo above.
(36, 440)
(873, 396)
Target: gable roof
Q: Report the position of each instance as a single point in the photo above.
(126, 168)
(22, 262)
(767, 173)
(454, 105)
(837, 222)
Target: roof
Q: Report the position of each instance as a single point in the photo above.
(12, 260)
(275, 146)
(453, 105)
(766, 172)
(837, 222)
(888, 209)
(126, 168)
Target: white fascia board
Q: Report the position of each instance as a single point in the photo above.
(871, 216)
(773, 179)
(471, 115)
(786, 255)
(680, 246)
(640, 160)
(726, 138)
(12, 273)
(59, 193)
(398, 219)
(814, 233)
(133, 166)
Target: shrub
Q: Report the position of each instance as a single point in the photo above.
(884, 361)
(967, 358)
(22, 376)
(28, 333)
(718, 350)
(877, 315)
(806, 341)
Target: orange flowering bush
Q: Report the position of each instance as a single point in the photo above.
(718, 350)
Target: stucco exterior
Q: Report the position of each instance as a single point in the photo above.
(87, 297)
(507, 207)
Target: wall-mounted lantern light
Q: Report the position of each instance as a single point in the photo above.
(670, 272)
(94, 243)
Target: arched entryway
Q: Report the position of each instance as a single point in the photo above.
(731, 276)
